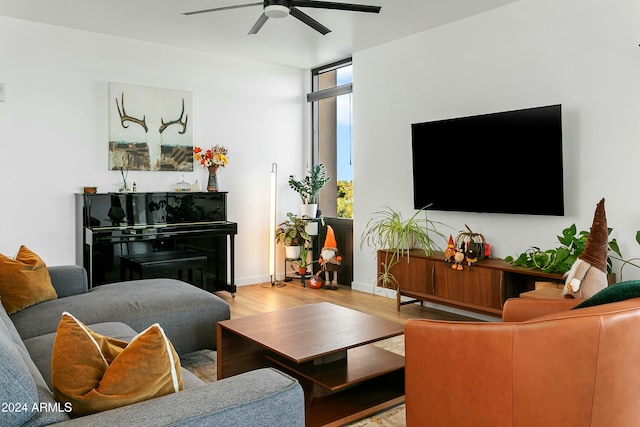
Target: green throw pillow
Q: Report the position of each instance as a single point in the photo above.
(614, 293)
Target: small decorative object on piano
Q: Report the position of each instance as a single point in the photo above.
(90, 190)
(182, 185)
(125, 186)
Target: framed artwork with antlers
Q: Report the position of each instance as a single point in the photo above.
(150, 129)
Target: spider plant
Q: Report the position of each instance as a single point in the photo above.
(387, 229)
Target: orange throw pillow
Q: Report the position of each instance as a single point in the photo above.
(24, 281)
(96, 373)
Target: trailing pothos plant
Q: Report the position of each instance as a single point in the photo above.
(560, 259)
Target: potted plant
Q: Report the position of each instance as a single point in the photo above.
(560, 259)
(309, 187)
(303, 261)
(292, 234)
(387, 229)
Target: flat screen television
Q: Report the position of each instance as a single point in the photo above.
(507, 162)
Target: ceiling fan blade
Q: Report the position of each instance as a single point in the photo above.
(297, 13)
(333, 5)
(195, 12)
(259, 23)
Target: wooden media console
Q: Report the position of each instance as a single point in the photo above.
(481, 288)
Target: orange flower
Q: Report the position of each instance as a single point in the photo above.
(215, 156)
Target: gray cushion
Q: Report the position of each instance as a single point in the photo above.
(16, 382)
(68, 280)
(49, 410)
(46, 412)
(190, 380)
(177, 306)
(33, 369)
(20, 347)
(263, 397)
(11, 329)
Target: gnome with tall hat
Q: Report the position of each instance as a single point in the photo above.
(330, 260)
(450, 252)
(588, 274)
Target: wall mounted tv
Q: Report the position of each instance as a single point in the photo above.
(507, 162)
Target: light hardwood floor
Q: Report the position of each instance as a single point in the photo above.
(260, 298)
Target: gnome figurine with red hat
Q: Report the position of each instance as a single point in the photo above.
(450, 252)
(588, 274)
(330, 260)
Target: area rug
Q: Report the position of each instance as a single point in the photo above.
(203, 364)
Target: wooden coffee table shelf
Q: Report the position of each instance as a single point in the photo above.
(329, 349)
(362, 363)
(357, 402)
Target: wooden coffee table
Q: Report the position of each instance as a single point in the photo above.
(329, 349)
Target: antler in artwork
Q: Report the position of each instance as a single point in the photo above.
(125, 118)
(176, 122)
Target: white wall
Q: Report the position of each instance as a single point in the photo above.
(54, 132)
(582, 54)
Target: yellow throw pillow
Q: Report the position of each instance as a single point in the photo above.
(24, 281)
(96, 373)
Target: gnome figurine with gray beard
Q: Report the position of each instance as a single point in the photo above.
(588, 274)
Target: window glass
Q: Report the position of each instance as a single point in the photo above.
(332, 139)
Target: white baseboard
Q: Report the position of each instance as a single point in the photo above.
(253, 280)
(245, 281)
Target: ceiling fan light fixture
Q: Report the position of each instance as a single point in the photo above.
(276, 11)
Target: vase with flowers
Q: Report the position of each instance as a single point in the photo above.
(212, 159)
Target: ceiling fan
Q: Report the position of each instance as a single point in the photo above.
(283, 8)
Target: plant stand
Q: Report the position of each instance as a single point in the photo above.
(291, 271)
(291, 264)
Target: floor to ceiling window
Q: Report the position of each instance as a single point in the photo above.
(332, 108)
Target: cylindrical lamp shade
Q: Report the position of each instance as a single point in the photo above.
(272, 221)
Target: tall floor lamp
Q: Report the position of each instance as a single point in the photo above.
(272, 225)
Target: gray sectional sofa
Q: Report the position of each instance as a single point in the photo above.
(188, 316)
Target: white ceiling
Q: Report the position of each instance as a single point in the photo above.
(281, 41)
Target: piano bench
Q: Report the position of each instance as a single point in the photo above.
(163, 264)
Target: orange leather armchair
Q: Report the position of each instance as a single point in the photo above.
(568, 368)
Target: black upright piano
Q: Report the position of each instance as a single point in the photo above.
(113, 225)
